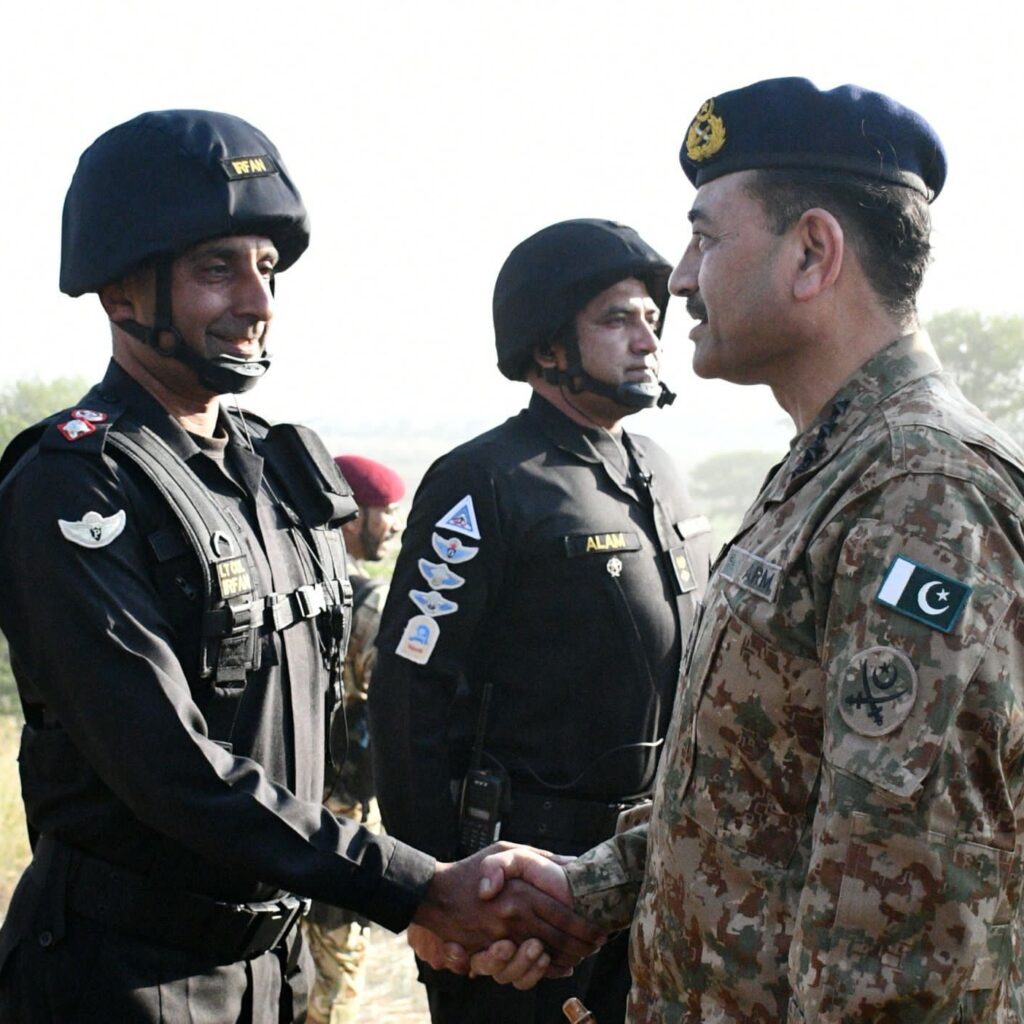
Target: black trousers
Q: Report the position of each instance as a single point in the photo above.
(57, 967)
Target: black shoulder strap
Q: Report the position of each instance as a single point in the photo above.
(229, 646)
(322, 500)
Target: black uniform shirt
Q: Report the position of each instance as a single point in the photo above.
(562, 566)
(129, 755)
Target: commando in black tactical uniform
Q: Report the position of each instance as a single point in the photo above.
(176, 607)
(549, 574)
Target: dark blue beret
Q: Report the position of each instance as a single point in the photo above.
(790, 123)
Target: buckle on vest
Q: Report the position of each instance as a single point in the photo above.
(234, 619)
(311, 600)
(239, 617)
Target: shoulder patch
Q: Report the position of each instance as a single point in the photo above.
(93, 530)
(89, 415)
(922, 593)
(75, 429)
(451, 549)
(461, 518)
(419, 639)
(83, 427)
(877, 691)
(439, 576)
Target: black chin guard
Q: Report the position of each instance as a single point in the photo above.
(628, 394)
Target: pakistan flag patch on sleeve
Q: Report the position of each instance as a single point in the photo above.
(923, 594)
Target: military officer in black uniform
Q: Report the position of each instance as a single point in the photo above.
(176, 603)
(530, 646)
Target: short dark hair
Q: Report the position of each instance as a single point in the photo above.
(888, 224)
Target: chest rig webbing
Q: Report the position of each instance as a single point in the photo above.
(234, 617)
(316, 500)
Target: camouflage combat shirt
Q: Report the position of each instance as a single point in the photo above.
(836, 830)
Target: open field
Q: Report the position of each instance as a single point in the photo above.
(394, 996)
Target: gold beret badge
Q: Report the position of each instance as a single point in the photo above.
(706, 135)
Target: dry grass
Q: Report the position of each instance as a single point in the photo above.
(13, 837)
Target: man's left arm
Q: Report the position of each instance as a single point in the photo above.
(909, 894)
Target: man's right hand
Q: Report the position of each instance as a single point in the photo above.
(520, 895)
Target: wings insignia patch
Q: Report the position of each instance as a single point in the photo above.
(93, 530)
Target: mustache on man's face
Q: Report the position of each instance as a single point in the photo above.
(695, 307)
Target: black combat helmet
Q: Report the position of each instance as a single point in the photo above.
(547, 279)
(162, 182)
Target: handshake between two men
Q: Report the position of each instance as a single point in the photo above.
(505, 912)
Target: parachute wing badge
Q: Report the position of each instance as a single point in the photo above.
(440, 577)
(93, 530)
(451, 549)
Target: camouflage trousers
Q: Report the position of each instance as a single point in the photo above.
(339, 941)
(340, 958)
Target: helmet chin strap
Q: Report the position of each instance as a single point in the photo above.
(629, 394)
(223, 374)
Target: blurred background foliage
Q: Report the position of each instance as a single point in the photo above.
(984, 354)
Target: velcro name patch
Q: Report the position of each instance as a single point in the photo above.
(752, 572)
(237, 167)
(233, 578)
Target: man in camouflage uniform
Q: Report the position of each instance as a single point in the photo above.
(338, 938)
(835, 835)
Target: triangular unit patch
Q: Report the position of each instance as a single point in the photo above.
(461, 518)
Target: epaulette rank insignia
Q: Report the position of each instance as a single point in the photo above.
(76, 426)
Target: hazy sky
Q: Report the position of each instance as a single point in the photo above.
(428, 138)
